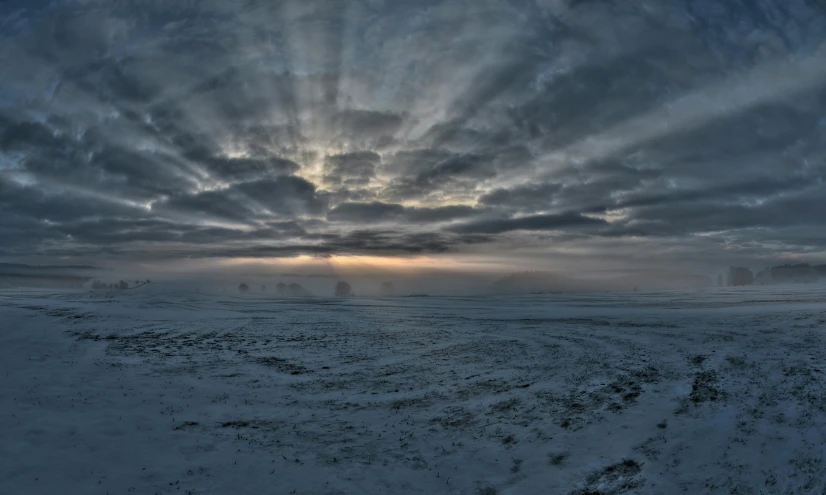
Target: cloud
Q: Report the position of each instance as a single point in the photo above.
(248, 169)
(351, 169)
(425, 172)
(533, 222)
(133, 129)
(720, 214)
(367, 213)
(56, 204)
(529, 197)
(369, 127)
(287, 197)
(441, 214)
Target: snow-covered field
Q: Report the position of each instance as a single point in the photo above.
(706, 392)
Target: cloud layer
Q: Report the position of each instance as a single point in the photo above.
(613, 130)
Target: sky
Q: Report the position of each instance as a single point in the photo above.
(562, 135)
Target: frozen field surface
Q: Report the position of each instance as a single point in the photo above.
(703, 392)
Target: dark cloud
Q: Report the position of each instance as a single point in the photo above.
(533, 222)
(351, 169)
(716, 214)
(366, 212)
(441, 214)
(248, 169)
(369, 127)
(287, 197)
(114, 231)
(423, 173)
(390, 241)
(530, 197)
(376, 211)
(56, 204)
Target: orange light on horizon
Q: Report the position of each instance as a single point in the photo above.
(357, 262)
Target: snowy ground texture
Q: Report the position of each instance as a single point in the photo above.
(707, 392)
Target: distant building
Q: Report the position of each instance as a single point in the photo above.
(738, 276)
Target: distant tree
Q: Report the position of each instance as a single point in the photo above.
(263, 288)
(343, 289)
(243, 288)
(281, 289)
(122, 285)
(387, 289)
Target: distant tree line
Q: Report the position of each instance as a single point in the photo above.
(281, 289)
(291, 290)
(121, 285)
(342, 289)
(789, 273)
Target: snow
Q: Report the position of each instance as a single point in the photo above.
(719, 391)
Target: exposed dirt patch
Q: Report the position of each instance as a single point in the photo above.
(281, 365)
(704, 388)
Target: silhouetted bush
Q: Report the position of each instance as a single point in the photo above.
(343, 289)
